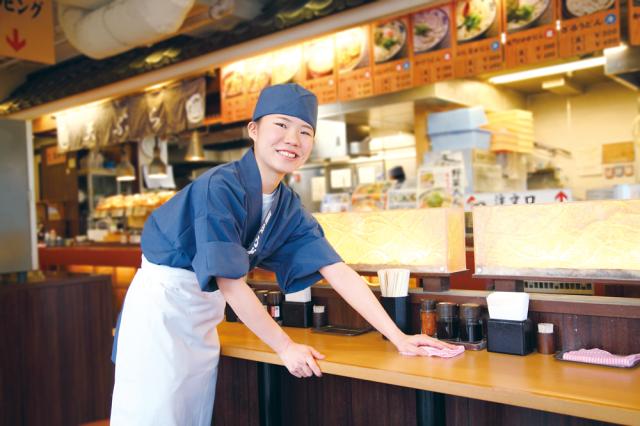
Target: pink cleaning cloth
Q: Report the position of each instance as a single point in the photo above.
(442, 353)
(601, 357)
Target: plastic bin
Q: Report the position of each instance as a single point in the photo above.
(456, 120)
(470, 139)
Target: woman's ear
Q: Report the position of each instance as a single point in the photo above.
(252, 127)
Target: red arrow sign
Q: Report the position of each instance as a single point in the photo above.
(15, 41)
(561, 196)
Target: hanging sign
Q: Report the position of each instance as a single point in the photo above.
(478, 29)
(354, 63)
(543, 196)
(171, 109)
(588, 26)
(432, 31)
(391, 55)
(531, 32)
(26, 30)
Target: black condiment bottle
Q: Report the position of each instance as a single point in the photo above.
(447, 327)
(470, 327)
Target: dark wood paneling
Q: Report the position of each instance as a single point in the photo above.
(236, 402)
(333, 400)
(65, 344)
(472, 412)
(12, 304)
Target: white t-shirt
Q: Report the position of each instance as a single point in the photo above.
(267, 200)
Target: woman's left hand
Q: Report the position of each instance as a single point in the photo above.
(410, 345)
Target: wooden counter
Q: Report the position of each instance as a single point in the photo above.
(535, 381)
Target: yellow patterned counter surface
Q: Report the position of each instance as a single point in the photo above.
(534, 381)
(589, 239)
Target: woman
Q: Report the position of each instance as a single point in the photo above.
(197, 250)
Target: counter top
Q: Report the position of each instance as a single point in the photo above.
(534, 381)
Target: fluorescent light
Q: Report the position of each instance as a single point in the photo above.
(620, 48)
(551, 70)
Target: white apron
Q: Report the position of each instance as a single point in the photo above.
(168, 350)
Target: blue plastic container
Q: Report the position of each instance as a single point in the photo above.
(469, 139)
(456, 120)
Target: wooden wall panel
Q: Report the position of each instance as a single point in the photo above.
(12, 304)
(64, 341)
(472, 412)
(236, 402)
(333, 400)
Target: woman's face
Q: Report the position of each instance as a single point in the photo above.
(282, 143)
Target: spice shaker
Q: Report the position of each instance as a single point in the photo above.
(319, 316)
(428, 317)
(546, 344)
(447, 326)
(470, 327)
(274, 299)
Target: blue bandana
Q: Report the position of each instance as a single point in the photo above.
(288, 99)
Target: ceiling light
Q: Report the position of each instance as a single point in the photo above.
(157, 168)
(195, 151)
(551, 70)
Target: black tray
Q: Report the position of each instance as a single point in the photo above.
(343, 331)
(558, 356)
(470, 346)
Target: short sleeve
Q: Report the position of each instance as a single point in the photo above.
(296, 262)
(218, 225)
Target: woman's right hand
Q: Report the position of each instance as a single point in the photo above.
(300, 360)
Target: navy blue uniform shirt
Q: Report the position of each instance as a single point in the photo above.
(210, 226)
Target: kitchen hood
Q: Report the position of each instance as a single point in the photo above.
(622, 64)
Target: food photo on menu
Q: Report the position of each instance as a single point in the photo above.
(352, 49)
(431, 30)
(390, 41)
(233, 83)
(525, 14)
(286, 65)
(319, 57)
(578, 8)
(477, 20)
(257, 74)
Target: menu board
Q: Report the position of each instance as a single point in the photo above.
(391, 50)
(588, 25)
(232, 93)
(320, 70)
(531, 31)
(478, 29)
(432, 32)
(634, 22)
(354, 63)
(257, 76)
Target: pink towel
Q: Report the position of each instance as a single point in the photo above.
(601, 357)
(442, 353)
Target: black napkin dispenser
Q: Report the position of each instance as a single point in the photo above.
(510, 337)
(297, 314)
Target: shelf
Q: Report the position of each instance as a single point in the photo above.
(97, 172)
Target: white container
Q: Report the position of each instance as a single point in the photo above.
(506, 305)
(456, 120)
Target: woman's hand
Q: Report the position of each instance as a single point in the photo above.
(300, 360)
(410, 345)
